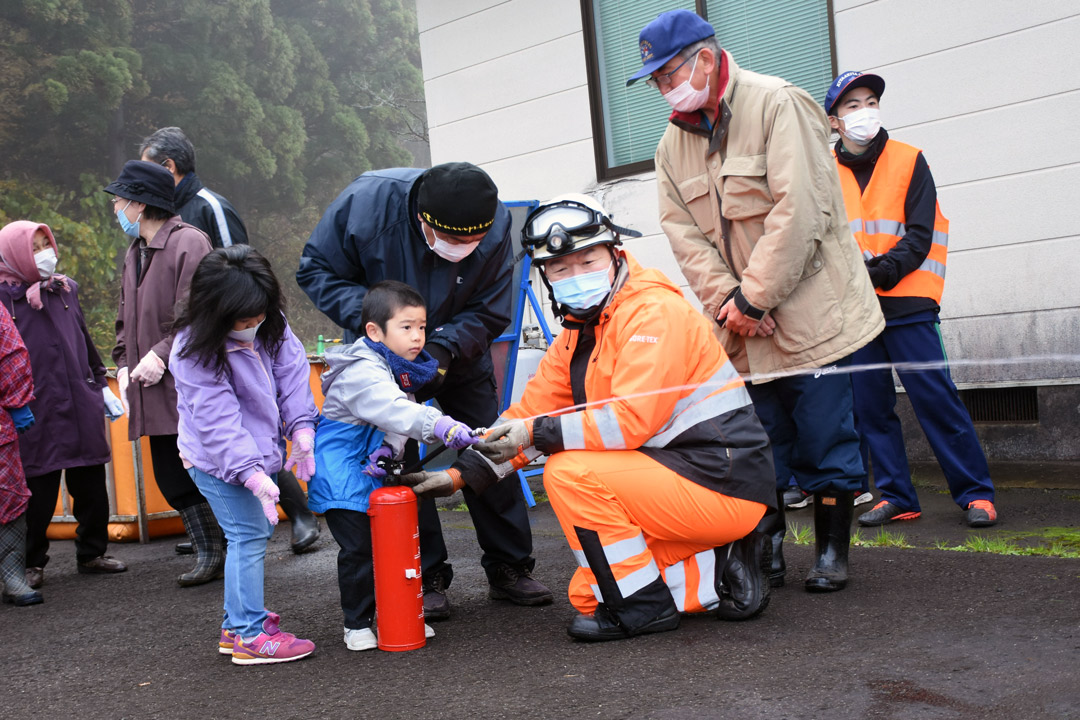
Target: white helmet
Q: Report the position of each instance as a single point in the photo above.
(569, 223)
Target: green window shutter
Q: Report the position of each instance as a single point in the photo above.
(634, 117)
(788, 38)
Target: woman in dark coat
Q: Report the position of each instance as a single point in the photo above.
(160, 261)
(69, 404)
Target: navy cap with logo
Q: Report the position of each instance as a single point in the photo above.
(664, 37)
(457, 198)
(144, 182)
(849, 81)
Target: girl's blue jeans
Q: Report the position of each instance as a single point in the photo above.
(240, 515)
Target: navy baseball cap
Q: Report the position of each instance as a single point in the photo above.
(849, 81)
(664, 37)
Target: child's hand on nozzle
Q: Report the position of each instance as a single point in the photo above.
(267, 493)
(455, 435)
(372, 468)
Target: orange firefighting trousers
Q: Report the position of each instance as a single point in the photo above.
(650, 521)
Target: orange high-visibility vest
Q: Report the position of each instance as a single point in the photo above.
(876, 218)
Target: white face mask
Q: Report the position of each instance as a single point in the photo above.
(454, 252)
(684, 98)
(46, 262)
(861, 126)
(247, 334)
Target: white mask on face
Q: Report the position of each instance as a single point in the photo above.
(46, 262)
(246, 335)
(684, 98)
(454, 252)
(861, 126)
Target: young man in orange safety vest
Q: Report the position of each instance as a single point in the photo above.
(659, 470)
(892, 208)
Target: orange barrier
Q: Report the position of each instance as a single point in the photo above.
(138, 509)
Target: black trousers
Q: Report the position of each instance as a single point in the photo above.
(90, 505)
(500, 515)
(356, 576)
(172, 479)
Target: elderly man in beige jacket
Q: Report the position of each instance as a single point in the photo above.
(751, 203)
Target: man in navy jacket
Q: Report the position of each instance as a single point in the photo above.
(444, 232)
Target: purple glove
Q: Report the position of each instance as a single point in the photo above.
(267, 492)
(455, 435)
(302, 458)
(372, 467)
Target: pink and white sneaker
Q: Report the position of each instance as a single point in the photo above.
(272, 645)
(228, 637)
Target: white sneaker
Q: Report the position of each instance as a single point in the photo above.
(363, 639)
(428, 631)
(863, 498)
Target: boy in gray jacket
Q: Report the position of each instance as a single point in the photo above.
(369, 414)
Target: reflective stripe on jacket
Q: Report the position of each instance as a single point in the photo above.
(876, 218)
(655, 380)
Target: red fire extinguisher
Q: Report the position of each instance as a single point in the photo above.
(395, 546)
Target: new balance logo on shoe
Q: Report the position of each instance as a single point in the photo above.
(269, 648)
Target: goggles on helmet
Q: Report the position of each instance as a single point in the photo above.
(565, 226)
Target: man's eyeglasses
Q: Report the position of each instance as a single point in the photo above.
(665, 80)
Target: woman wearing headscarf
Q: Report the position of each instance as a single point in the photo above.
(70, 400)
(158, 266)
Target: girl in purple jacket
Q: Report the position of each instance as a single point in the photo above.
(241, 378)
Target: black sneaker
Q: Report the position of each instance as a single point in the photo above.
(884, 513)
(436, 605)
(795, 498)
(517, 586)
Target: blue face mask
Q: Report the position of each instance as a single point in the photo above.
(131, 228)
(582, 292)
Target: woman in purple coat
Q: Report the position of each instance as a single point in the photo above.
(70, 396)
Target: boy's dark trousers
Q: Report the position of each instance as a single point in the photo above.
(356, 576)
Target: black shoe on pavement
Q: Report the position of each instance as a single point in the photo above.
(744, 576)
(832, 539)
(31, 598)
(305, 526)
(884, 513)
(436, 604)
(35, 577)
(601, 625)
(102, 565)
(795, 498)
(518, 586)
(184, 548)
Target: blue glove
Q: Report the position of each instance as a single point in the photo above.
(22, 417)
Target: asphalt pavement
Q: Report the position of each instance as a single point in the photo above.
(920, 632)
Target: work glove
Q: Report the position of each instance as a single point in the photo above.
(122, 381)
(444, 357)
(23, 418)
(267, 492)
(454, 435)
(506, 441)
(372, 468)
(441, 483)
(302, 458)
(149, 370)
(114, 409)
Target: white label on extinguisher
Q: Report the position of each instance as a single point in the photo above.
(410, 573)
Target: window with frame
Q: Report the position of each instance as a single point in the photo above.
(792, 39)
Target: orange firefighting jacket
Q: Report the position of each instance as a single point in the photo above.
(653, 378)
(876, 218)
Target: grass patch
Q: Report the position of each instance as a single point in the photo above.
(1049, 542)
(540, 497)
(884, 538)
(800, 534)
(460, 507)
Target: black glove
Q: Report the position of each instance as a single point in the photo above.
(444, 358)
(882, 273)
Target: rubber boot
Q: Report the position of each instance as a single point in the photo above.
(742, 577)
(650, 610)
(13, 586)
(776, 527)
(209, 544)
(305, 526)
(832, 531)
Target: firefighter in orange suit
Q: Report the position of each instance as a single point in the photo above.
(659, 470)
